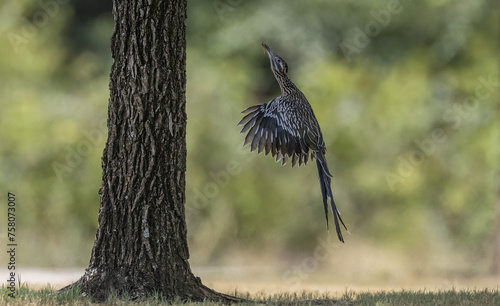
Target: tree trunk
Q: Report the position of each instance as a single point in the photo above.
(140, 246)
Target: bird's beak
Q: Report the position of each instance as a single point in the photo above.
(268, 50)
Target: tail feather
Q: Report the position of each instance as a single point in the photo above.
(326, 191)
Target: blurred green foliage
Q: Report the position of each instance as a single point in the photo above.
(412, 142)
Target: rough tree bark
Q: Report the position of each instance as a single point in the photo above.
(140, 246)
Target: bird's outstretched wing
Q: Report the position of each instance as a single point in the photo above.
(269, 131)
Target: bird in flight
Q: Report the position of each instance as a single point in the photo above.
(286, 127)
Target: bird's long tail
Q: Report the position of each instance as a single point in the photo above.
(326, 191)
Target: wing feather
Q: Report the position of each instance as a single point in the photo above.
(248, 117)
(268, 130)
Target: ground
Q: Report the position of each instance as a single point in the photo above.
(264, 284)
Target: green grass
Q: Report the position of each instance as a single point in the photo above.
(448, 297)
(50, 296)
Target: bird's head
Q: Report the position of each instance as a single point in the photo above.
(277, 63)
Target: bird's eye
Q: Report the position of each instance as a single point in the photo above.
(282, 65)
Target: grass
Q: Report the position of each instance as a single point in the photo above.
(50, 296)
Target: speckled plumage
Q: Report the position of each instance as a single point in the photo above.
(287, 128)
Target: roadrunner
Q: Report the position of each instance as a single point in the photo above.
(286, 127)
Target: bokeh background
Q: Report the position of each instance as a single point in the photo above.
(407, 94)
